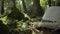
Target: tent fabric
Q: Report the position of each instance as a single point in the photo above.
(51, 18)
(52, 14)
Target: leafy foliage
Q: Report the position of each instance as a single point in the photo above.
(16, 15)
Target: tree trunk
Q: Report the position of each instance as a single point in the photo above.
(52, 3)
(15, 13)
(24, 6)
(37, 9)
(49, 3)
(57, 2)
(2, 7)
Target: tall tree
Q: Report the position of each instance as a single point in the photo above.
(53, 2)
(15, 14)
(24, 6)
(37, 9)
(2, 7)
(49, 3)
(57, 2)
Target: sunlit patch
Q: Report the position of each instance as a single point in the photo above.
(21, 2)
(54, 0)
(32, 3)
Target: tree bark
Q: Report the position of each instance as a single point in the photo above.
(57, 2)
(37, 9)
(49, 3)
(2, 7)
(24, 6)
(15, 13)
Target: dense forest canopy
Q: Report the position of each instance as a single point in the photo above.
(16, 15)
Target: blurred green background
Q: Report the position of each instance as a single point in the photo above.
(16, 15)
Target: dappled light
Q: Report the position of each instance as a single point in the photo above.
(16, 16)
